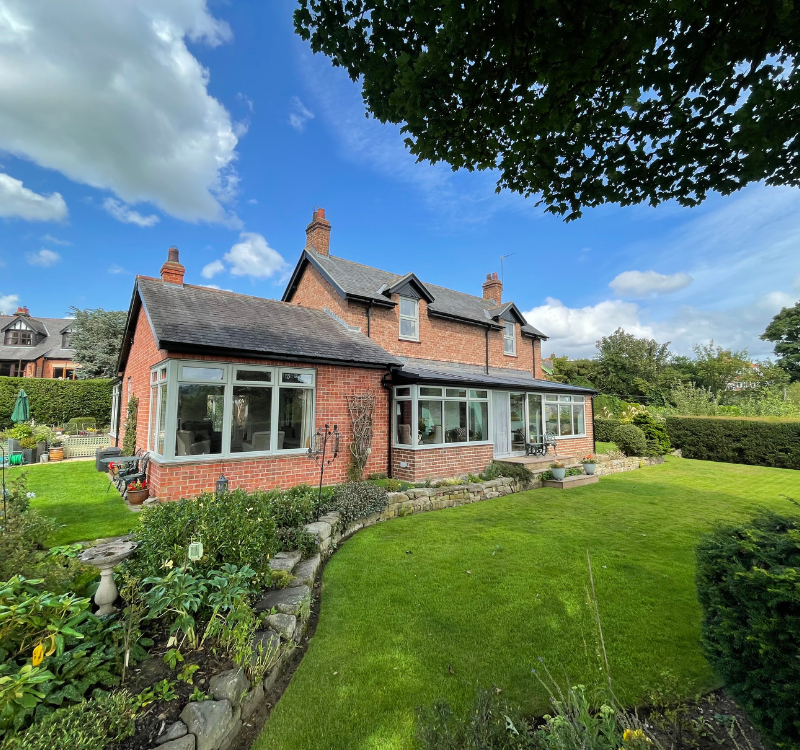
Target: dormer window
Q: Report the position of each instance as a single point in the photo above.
(19, 338)
(409, 319)
(509, 338)
(66, 340)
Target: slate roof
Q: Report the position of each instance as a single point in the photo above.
(196, 318)
(49, 347)
(356, 280)
(434, 371)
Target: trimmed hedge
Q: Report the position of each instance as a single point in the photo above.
(57, 401)
(630, 440)
(748, 584)
(758, 442)
(604, 429)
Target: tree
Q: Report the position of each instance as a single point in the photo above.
(630, 366)
(97, 340)
(784, 332)
(582, 103)
(717, 368)
(581, 372)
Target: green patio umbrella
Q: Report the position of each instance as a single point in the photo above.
(22, 409)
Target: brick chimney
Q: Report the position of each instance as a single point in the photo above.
(23, 311)
(318, 233)
(172, 271)
(493, 289)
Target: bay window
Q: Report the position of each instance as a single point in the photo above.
(219, 409)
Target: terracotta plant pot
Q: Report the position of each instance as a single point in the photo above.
(590, 468)
(56, 454)
(137, 497)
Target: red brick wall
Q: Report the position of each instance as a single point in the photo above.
(440, 463)
(438, 338)
(580, 447)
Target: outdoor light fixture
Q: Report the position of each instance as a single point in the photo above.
(325, 441)
(222, 484)
(195, 551)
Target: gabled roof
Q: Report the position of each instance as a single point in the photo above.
(49, 347)
(356, 281)
(189, 318)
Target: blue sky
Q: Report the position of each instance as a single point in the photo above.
(127, 127)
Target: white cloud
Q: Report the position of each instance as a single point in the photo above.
(648, 283)
(8, 303)
(18, 202)
(210, 270)
(252, 256)
(299, 115)
(109, 95)
(115, 269)
(127, 215)
(44, 258)
(54, 240)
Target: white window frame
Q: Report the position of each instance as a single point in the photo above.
(174, 377)
(509, 325)
(116, 398)
(414, 397)
(402, 317)
(574, 399)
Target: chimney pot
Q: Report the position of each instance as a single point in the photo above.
(22, 311)
(172, 271)
(318, 233)
(493, 289)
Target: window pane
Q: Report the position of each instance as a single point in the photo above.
(199, 429)
(251, 420)
(578, 399)
(551, 398)
(153, 376)
(455, 421)
(534, 419)
(294, 417)
(408, 328)
(479, 420)
(479, 394)
(153, 409)
(402, 421)
(456, 393)
(430, 423)
(408, 307)
(162, 419)
(162, 373)
(402, 392)
(580, 426)
(565, 419)
(300, 378)
(426, 391)
(202, 373)
(517, 421)
(508, 346)
(551, 418)
(565, 398)
(254, 376)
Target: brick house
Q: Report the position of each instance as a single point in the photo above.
(36, 347)
(236, 385)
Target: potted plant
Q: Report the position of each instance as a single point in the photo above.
(138, 492)
(56, 451)
(589, 463)
(28, 445)
(558, 469)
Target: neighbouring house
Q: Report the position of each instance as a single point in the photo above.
(36, 347)
(235, 385)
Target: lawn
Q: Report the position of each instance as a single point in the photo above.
(74, 494)
(605, 447)
(488, 588)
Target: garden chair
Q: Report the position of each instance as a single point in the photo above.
(139, 474)
(548, 440)
(119, 477)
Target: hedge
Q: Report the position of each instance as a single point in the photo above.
(57, 401)
(759, 442)
(748, 584)
(604, 428)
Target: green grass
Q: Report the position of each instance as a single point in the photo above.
(391, 622)
(605, 447)
(74, 494)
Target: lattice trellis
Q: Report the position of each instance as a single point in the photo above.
(362, 408)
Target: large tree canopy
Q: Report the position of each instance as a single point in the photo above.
(784, 331)
(582, 103)
(97, 340)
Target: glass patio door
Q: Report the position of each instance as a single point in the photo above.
(501, 424)
(518, 431)
(535, 432)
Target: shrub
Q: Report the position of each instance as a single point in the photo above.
(604, 428)
(518, 472)
(129, 440)
(655, 433)
(748, 584)
(235, 527)
(57, 401)
(298, 505)
(91, 725)
(758, 442)
(630, 440)
(355, 500)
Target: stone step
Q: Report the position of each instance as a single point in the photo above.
(536, 462)
(569, 482)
